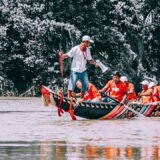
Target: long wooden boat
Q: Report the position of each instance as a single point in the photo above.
(98, 110)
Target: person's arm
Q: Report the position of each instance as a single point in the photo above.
(147, 93)
(131, 89)
(70, 54)
(93, 62)
(123, 100)
(156, 94)
(90, 59)
(125, 91)
(105, 88)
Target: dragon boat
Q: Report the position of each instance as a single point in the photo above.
(97, 110)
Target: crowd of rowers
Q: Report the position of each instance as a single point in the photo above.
(119, 89)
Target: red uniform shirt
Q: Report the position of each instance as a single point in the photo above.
(116, 91)
(92, 93)
(147, 98)
(156, 93)
(130, 88)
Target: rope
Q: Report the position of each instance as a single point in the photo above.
(60, 111)
(71, 111)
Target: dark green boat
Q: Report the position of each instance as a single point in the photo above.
(99, 110)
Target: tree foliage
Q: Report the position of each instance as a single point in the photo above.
(126, 35)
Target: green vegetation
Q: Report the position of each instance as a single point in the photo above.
(126, 35)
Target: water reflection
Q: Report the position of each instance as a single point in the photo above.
(62, 151)
(50, 150)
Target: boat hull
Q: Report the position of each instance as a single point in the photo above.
(103, 111)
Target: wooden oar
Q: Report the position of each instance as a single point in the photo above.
(131, 109)
(153, 103)
(124, 105)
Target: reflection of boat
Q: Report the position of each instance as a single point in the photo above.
(62, 150)
(98, 110)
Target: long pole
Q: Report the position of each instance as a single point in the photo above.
(61, 59)
(61, 67)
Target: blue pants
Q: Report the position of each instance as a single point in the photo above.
(74, 77)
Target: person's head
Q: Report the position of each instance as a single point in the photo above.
(116, 77)
(124, 79)
(145, 84)
(79, 84)
(86, 40)
(151, 85)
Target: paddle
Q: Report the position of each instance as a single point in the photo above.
(153, 103)
(130, 109)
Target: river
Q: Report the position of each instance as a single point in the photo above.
(32, 132)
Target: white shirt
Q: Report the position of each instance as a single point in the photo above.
(79, 58)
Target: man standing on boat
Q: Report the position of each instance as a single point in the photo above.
(80, 54)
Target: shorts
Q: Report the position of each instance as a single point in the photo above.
(74, 77)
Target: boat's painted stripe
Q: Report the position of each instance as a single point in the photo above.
(148, 113)
(113, 113)
(144, 109)
(124, 110)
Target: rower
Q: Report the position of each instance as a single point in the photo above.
(116, 88)
(145, 95)
(91, 95)
(131, 94)
(155, 93)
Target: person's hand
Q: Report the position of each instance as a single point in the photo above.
(139, 95)
(100, 91)
(79, 94)
(96, 65)
(60, 92)
(73, 94)
(79, 101)
(121, 103)
(60, 53)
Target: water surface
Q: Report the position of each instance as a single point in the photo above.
(32, 132)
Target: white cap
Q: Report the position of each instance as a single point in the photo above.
(145, 82)
(124, 79)
(151, 84)
(87, 38)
